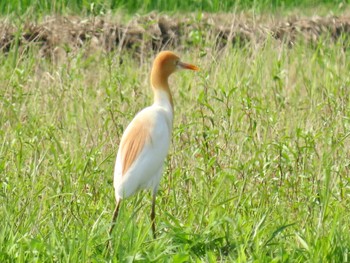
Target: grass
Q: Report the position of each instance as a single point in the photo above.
(96, 7)
(257, 171)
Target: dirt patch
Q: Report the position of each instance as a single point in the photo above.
(58, 35)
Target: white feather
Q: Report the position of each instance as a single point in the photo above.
(146, 170)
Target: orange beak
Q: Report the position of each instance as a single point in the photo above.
(188, 66)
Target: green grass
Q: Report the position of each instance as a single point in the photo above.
(37, 7)
(258, 170)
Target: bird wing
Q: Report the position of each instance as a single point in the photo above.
(137, 135)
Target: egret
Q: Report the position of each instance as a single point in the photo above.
(145, 142)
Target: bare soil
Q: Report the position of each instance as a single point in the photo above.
(58, 35)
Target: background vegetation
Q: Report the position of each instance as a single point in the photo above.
(258, 170)
(37, 7)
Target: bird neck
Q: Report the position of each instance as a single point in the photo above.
(161, 91)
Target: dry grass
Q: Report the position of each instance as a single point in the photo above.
(58, 36)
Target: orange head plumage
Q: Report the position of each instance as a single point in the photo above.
(164, 65)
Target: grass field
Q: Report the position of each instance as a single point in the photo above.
(258, 170)
(40, 7)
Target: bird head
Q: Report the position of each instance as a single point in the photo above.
(168, 62)
(164, 65)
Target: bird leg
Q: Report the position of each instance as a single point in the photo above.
(153, 215)
(115, 215)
